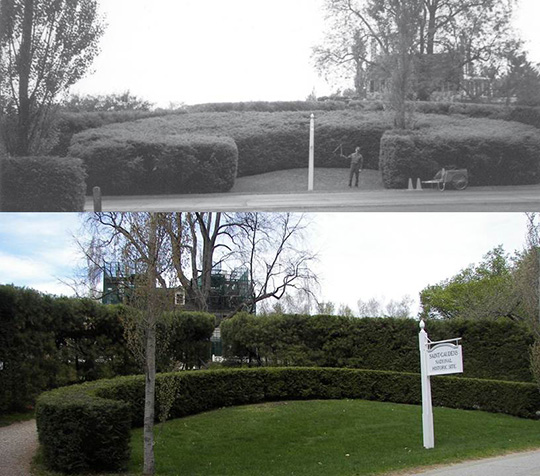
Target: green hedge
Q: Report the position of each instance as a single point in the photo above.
(122, 162)
(79, 431)
(375, 343)
(87, 427)
(42, 184)
(47, 342)
(493, 152)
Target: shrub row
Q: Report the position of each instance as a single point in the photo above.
(375, 343)
(266, 141)
(47, 342)
(123, 162)
(493, 152)
(70, 123)
(524, 114)
(268, 106)
(42, 184)
(87, 427)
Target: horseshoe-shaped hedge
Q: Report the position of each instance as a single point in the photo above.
(87, 427)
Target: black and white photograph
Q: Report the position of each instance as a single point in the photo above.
(247, 238)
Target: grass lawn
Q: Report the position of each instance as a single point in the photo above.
(333, 437)
(296, 180)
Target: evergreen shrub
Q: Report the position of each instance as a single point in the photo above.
(80, 432)
(70, 123)
(47, 342)
(268, 106)
(266, 141)
(375, 343)
(87, 427)
(122, 162)
(493, 152)
(42, 184)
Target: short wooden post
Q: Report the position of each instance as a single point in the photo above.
(311, 171)
(97, 199)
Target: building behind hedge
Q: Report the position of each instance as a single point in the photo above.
(229, 290)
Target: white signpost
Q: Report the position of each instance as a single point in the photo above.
(436, 358)
(311, 170)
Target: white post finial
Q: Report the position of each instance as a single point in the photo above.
(311, 152)
(422, 324)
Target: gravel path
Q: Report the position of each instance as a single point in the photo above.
(18, 444)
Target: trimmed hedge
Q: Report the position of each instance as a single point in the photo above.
(124, 162)
(70, 123)
(266, 141)
(87, 427)
(79, 431)
(493, 152)
(268, 106)
(42, 184)
(375, 343)
(525, 114)
(48, 342)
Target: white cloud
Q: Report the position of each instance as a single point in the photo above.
(17, 269)
(397, 254)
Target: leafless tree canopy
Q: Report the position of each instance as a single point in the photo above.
(271, 247)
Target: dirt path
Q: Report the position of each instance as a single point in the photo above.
(18, 444)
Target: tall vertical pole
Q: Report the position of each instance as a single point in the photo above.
(427, 411)
(311, 172)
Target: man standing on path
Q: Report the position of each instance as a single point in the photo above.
(357, 164)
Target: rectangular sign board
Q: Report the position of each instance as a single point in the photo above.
(444, 359)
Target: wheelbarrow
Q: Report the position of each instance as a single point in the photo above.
(457, 178)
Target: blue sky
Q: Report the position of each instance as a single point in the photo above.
(381, 255)
(36, 249)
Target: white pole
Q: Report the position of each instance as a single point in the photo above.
(311, 152)
(427, 411)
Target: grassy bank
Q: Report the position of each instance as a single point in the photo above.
(347, 437)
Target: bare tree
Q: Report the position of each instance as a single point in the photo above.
(270, 247)
(380, 308)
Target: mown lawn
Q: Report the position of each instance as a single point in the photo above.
(343, 437)
(296, 180)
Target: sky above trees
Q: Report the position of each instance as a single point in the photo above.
(361, 255)
(191, 52)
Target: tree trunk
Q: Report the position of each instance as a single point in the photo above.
(25, 64)
(150, 367)
(2, 147)
(432, 29)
